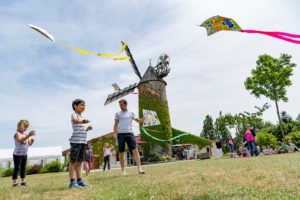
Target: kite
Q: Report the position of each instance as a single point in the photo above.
(150, 118)
(219, 23)
(48, 35)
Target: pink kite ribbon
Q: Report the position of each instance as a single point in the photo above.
(280, 35)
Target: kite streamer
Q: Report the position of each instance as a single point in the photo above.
(48, 35)
(219, 23)
(163, 140)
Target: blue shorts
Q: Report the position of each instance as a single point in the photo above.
(126, 138)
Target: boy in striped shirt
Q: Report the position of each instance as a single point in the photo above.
(78, 143)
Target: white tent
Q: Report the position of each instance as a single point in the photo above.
(36, 155)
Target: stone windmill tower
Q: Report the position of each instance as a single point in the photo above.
(152, 96)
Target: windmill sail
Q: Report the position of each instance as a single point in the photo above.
(119, 94)
(135, 68)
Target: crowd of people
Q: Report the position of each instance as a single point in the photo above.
(249, 146)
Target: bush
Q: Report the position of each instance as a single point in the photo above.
(43, 170)
(54, 166)
(295, 137)
(155, 157)
(34, 169)
(264, 139)
(166, 157)
(8, 172)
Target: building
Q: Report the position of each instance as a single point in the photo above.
(36, 155)
(97, 149)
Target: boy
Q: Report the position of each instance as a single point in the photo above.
(78, 143)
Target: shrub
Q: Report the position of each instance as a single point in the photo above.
(8, 172)
(43, 170)
(154, 157)
(54, 166)
(264, 139)
(166, 157)
(34, 169)
(295, 137)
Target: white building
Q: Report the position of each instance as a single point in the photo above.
(36, 155)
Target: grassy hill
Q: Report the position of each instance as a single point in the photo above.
(264, 177)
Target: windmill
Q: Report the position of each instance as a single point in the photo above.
(152, 80)
(156, 73)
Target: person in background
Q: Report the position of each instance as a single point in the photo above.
(22, 141)
(251, 141)
(88, 159)
(231, 146)
(106, 155)
(284, 148)
(292, 147)
(219, 147)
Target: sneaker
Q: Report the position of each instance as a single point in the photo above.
(124, 173)
(81, 183)
(140, 171)
(74, 185)
(16, 185)
(23, 184)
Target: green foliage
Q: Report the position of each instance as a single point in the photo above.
(208, 128)
(150, 102)
(295, 137)
(155, 157)
(191, 139)
(34, 169)
(8, 172)
(265, 138)
(271, 77)
(221, 130)
(166, 157)
(54, 166)
(98, 147)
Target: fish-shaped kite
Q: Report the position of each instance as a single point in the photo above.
(48, 35)
(219, 23)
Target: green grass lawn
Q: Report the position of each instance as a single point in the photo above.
(264, 177)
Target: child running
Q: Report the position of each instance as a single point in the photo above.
(78, 143)
(22, 141)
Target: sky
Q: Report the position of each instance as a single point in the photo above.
(39, 79)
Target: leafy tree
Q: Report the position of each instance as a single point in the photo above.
(295, 137)
(298, 117)
(220, 129)
(270, 78)
(208, 128)
(264, 139)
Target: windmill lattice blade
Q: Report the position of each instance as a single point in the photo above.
(119, 94)
(134, 66)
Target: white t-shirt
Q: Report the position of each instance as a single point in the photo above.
(125, 121)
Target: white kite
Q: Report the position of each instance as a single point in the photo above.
(150, 118)
(42, 31)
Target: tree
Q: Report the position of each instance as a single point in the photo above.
(270, 78)
(208, 128)
(264, 139)
(220, 129)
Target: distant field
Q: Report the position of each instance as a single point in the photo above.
(265, 177)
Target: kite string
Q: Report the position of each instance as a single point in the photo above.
(279, 35)
(163, 140)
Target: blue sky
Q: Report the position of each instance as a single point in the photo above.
(39, 79)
